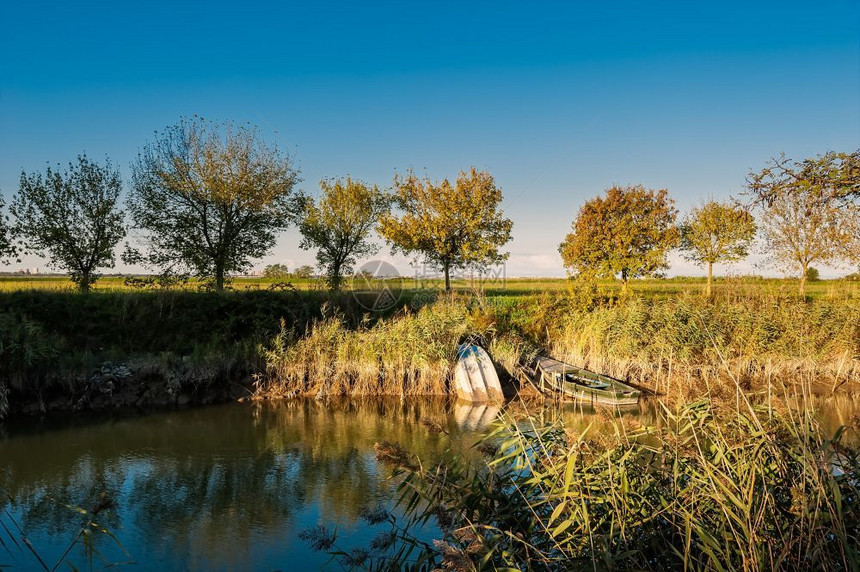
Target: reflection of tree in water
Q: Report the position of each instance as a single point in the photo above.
(215, 484)
(202, 485)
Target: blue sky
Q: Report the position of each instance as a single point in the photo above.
(557, 101)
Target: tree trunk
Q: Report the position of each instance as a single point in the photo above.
(710, 279)
(86, 280)
(624, 281)
(335, 277)
(803, 278)
(219, 277)
(446, 265)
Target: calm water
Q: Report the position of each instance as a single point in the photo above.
(224, 487)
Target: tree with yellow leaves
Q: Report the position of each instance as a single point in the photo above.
(449, 225)
(717, 232)
(625, 233)
(338, 225)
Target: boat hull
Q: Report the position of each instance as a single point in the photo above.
(573, 383)
(475, 377)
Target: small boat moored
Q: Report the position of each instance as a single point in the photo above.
(475, 377)
(558, 378)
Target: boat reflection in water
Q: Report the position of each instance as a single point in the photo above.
(475, 416)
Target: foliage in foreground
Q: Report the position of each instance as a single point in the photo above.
(703, 488)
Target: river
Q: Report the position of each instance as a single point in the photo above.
(228, 486)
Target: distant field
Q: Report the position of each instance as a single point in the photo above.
(498, 287)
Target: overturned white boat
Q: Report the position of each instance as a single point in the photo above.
(475, 377)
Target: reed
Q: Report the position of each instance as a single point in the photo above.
(704, 487)
(681, 347)
(407, 354)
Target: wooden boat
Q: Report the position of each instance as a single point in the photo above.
(554, 377)
(475, 377)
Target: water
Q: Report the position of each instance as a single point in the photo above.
(226, 487)
(222, 487)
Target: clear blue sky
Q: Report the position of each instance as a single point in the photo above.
(558, 101)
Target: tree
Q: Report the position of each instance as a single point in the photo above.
(716, 232)
(810, 210)
(276, 271)
(7, 245)
(209, 198)
(72, 217)
(452, 226)
(339, 225)
(305, 271)
(628, 232)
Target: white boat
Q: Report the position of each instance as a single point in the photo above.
(475, 377)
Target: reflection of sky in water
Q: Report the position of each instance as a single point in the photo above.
(219, 487)
(231, 486)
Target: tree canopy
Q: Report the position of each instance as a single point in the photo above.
(339, 224)
(627, 232)
(717, 232)
(7, 245)
(810, 210)
(449, 225)
(71, 217)
(832, 175)
(276, 271)
(209, 198)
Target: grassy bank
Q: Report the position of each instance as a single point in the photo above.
(682, 346)
(60, 349)
(58, 346)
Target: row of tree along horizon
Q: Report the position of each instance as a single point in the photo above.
(207, 198)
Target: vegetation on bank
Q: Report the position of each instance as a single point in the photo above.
(702, 488)
(58, 346)
(682, 346)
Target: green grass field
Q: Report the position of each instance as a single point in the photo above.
(495, 287)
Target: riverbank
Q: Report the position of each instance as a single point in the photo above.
(67, 351)
(681, 347)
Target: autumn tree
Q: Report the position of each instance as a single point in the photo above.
(72, 217)
(627, 233)
(716, 232)
(810, 210)
(339, 225)
(209, 198)
(449, 225)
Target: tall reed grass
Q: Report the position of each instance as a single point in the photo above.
(407, 354)
(702, 488)
(683, 347)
